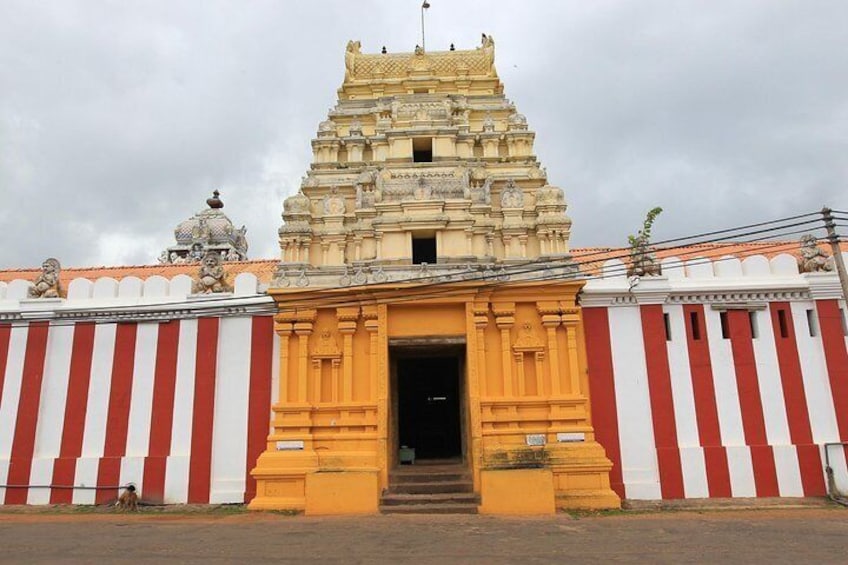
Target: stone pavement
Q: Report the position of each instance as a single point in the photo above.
(770, 535)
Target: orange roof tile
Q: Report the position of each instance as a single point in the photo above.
(262, 268)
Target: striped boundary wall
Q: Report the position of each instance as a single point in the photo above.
(138, 382)
(180, 408)
(690, 405)
(134, 381)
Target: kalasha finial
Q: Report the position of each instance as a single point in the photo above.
(383, 51)
(215, 202)
(452, 48)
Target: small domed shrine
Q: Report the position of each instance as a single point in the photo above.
(207, 230)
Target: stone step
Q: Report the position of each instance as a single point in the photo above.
(432, 487)
(419, 499)
(447, 508)
(421, 476)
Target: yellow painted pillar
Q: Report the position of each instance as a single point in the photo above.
(383, 393)
(571, 317)
(369, 313)
(283, 327)
(505, 319)
(551, 319)
(303, 329)
(478, 319)
(347, 318)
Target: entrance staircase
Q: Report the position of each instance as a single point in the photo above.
(435, 486)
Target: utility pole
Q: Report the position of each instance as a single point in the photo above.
(837, 252)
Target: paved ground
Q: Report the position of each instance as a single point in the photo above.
(772, 535)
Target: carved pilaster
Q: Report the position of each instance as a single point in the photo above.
(551, 320)
(571, 319)
(357, 248)
(522, 240)
(478, 319)
(304, 253)
(382, 348)
(372, 326)
(481, 321)
(505, 319)
(347, 318)
(283, 326)
(303, 329)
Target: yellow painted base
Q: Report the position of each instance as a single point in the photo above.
(342, 493)
(581, 477)
(281, 480)
(517, 492)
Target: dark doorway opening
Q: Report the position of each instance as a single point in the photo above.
(429, 407)
(424, 250)
(422, 150)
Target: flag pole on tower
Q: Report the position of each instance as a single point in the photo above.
(424, 6)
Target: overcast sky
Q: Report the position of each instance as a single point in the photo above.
(118, 118)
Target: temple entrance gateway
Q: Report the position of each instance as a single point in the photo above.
(427, 298)
(428, 407)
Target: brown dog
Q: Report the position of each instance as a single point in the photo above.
(128, 499)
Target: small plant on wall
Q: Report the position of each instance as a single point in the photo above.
(642, 260)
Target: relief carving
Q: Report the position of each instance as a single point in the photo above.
(512, 196)
(334, 204)
(211, 278)
(326, 347)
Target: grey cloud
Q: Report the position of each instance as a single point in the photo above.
(118, 119)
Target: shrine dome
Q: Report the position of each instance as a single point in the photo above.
(207, 230)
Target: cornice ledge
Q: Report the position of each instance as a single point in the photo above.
(823, 286)
(163, 311)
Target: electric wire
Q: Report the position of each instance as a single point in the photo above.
(390, 300)
(579, 260)
(326, 292)
(542, 264)
(383, 294)
(446, 291)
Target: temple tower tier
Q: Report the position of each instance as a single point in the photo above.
(427, 301)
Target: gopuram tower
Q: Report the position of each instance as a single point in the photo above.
(427, 302)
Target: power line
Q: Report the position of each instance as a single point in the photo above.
(386, 295)
(489, 274)
(446, 292)
(413, 293)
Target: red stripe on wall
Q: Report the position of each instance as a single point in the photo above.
(706, 409)
(76, 402)
(751, 404)
(662, 402)
(836, 358)
(602, 388)
(118, 415)
(259, 395)
(795, 399)
(23, 443)
(162, 414)
(5, 336)
(200, 466)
